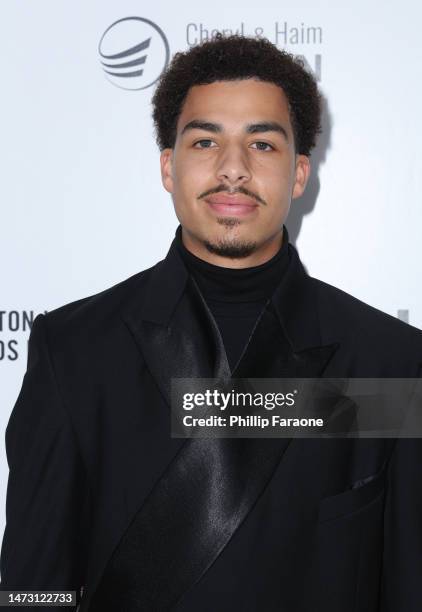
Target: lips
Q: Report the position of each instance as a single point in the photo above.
(225, 204)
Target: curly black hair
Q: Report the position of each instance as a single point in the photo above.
(229, 58)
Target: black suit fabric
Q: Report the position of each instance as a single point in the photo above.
(100, 495)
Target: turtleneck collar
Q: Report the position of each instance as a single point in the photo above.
(222, 284)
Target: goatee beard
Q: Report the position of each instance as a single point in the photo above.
(231, 248)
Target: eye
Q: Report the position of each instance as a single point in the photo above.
(204, 143)
(263, 146)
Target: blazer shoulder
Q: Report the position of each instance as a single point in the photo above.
(344, 315)
(97, 311)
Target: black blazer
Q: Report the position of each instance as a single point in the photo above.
(101, 497)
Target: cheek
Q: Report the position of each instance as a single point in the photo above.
(275, 187)
(192, 179)
(274, 172)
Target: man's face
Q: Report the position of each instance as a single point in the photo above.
(233, 171)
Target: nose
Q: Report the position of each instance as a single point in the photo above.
(233, 167)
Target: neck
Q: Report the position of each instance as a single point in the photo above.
(260, 256)
(223, 284)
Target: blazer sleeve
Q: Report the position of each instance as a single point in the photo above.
(44, 542)
(401, 588)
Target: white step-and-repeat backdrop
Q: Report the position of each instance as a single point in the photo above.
(82, 206)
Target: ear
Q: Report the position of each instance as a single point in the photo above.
(302, 173)
(166, 163)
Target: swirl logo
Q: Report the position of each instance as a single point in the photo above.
(133, 53)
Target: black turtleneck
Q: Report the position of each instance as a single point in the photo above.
(236, 297)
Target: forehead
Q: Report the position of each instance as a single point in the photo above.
(235, 102)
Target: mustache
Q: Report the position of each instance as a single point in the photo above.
(229, 190)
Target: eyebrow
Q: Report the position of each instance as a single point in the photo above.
(250, 128)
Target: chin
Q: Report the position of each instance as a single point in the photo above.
(234, 248)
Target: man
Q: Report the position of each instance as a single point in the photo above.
(100, 495)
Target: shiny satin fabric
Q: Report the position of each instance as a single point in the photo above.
(212, 484)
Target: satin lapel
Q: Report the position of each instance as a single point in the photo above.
(190, 346)
(204, 495)
(188, 519)
(269, 354)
